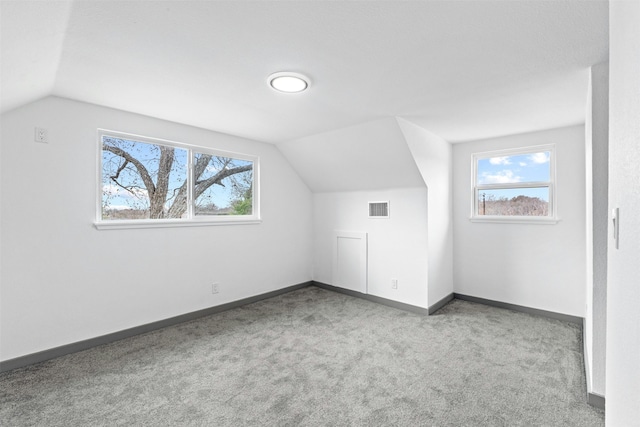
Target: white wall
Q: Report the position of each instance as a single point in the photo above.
(533, 265)
(397, 246)
(433, 156)
(64, 281)
(597, 178)
(623, 279)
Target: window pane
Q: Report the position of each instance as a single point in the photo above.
(514, 202)
(142, 180)
(531, 167)
(223, 185)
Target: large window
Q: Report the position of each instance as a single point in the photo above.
(514, 185)
(151, 182)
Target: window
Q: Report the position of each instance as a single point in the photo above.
(146, 182)
(514, 185)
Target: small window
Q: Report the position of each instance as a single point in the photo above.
(514, 185)
(151, 182)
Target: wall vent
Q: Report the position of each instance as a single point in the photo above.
(378, 209)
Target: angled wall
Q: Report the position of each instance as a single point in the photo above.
(433, 157)
(597, 180)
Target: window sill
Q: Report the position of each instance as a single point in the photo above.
(515, 220)
(170, 223)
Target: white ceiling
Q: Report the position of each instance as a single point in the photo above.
(463, 70)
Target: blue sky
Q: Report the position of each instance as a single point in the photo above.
(532, 167)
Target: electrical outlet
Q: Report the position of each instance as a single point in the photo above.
(41, 135)
(215, 288)
(394, 283)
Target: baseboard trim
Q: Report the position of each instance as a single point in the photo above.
(587, 366)
(521, 308)
(373, 298)
(437, 306)
(594, 399)
(41, 356)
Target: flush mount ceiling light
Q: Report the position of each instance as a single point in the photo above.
(288, 82)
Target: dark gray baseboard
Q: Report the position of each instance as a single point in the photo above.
(437, 306)
(587, 367)
(596, 400)
(52, 353)
(373, 298)
(521, 308)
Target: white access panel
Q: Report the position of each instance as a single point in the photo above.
(350, 260)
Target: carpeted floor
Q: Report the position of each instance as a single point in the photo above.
(316, 357)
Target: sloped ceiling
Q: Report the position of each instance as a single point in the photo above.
(463, 70)
(31, 38)
(368, 156)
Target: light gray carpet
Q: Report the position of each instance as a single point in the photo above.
(316, 357)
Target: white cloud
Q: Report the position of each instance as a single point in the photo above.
(119, 207)
(539, 158)
(500, 177)
(500, 160)
(522, 164)
(114, 190)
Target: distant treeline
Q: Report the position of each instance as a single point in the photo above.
(516, 206)
(108, 214)
(111, 214)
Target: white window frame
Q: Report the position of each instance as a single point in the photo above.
(552, 218)
(191, 220)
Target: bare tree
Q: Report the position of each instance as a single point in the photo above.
(157, 190)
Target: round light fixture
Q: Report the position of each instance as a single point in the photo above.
(288, 82)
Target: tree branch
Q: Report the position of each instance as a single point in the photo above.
(114, 179)
(144, 174)
(120, 169)
(201, 165)
(202, 186)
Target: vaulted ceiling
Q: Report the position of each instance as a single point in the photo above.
(461, 69)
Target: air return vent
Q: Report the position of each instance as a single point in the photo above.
(378, 209)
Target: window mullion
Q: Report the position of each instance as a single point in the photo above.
(190, 185)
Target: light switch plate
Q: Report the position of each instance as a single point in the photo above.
(41, 135)
(615, 216)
